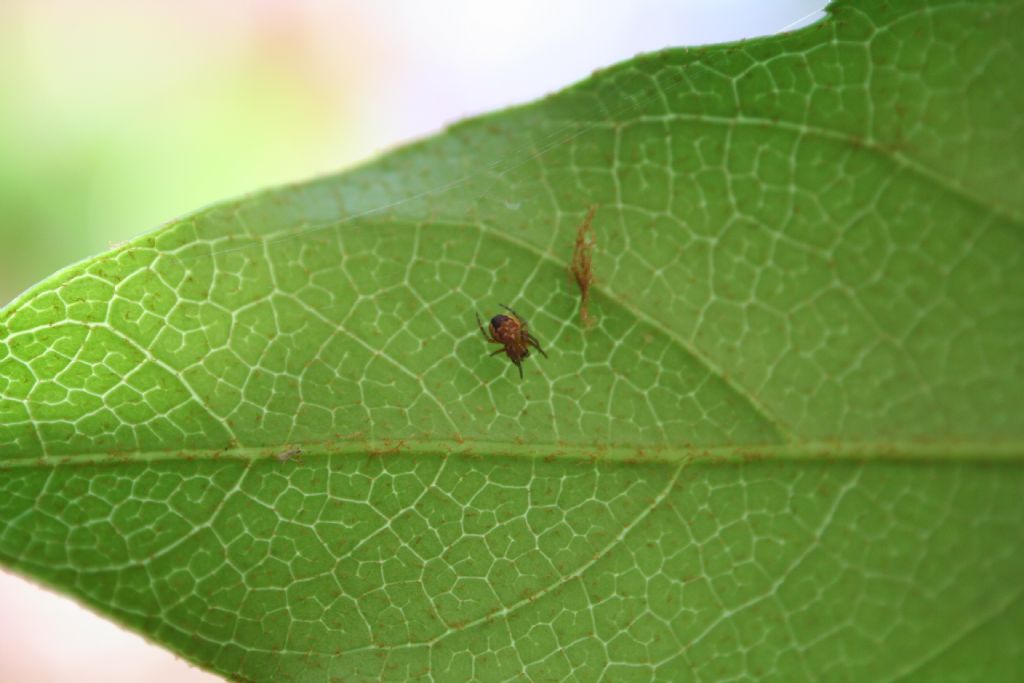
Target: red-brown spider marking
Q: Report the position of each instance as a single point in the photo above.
(511, 332)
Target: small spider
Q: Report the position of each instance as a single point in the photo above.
(511, 332)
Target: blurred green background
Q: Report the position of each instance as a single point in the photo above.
(119, 115)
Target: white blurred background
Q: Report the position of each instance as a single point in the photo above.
(118, 115)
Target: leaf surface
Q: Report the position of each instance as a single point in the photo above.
(269, 436)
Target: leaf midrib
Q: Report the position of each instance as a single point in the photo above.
(932, 451)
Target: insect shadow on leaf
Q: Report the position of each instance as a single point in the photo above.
(512, 332)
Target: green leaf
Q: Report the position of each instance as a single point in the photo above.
(269, 436)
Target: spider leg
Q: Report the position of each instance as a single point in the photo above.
(519, 364)
(481, 326)
(536, 344)
(501, 350)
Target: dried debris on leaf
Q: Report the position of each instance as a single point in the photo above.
(581, 267)
(290, 455)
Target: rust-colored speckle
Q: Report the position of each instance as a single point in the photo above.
(581, 269)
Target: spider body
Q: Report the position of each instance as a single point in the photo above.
(512, 333)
